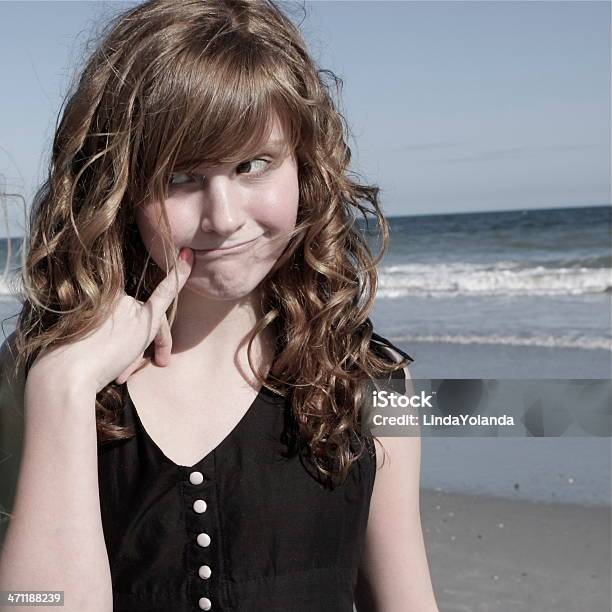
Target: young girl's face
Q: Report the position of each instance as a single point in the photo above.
(236, 218)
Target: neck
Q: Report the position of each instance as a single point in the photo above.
(214, 334)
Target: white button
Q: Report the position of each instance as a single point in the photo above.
(204, 572)
(203, 539)
(199, 505)
(205, 603)
(196, 478)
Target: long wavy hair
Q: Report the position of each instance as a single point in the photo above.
(170, 85)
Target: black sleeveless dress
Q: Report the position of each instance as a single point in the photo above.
(245, 528)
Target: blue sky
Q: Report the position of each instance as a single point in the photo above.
(453, 106)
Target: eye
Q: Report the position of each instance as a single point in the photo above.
(179, 178)
(265, 164)
(183, 178)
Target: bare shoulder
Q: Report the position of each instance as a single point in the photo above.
(396, 453)
(402, 450)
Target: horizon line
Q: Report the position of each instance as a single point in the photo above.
(497, 210)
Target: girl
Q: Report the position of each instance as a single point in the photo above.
(200, 168)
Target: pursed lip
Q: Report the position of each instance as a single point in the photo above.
(233, 247)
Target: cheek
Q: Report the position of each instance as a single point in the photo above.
(279, 216)
(149, 221)
(281, 206)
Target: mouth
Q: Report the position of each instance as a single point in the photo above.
(236, 248)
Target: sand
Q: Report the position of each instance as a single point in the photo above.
(492, 554)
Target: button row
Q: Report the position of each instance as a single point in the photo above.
(203, 539)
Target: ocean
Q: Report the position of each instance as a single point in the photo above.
(538, 278)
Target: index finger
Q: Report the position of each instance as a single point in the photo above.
(168, 289)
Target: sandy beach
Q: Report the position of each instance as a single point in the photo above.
(489, 554)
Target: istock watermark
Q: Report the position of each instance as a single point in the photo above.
(481, 407)
(383, 399)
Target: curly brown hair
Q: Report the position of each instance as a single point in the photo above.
(167, 70)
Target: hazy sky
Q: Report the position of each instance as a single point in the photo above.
(453, 106)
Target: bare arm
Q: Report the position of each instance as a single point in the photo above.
(55, 539)
(394, 573)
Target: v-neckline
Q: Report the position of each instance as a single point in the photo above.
(262, 391)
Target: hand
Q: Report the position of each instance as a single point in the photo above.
(116, 348)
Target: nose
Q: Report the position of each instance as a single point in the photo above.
(223, 210)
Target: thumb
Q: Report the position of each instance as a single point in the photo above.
(169, 288)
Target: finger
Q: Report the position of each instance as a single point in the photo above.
(163, 343)
(168, 289)
(130, 370)
(125, 375)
